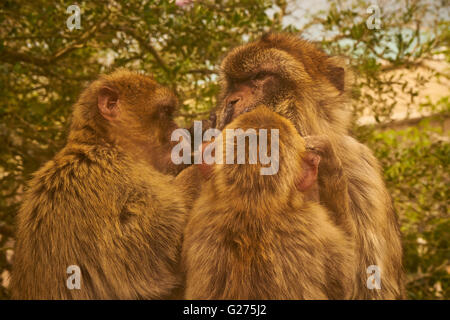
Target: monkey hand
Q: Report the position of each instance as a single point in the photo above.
(321, 145)
(333, 182)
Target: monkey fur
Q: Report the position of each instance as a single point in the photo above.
(253, 236)
(298, 81)
(105, 202)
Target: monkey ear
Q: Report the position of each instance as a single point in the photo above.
(336, 75)
(310, 167)
(336, 72)
(107, 103)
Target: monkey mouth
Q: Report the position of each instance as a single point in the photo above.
(230, 114)
(247, 109)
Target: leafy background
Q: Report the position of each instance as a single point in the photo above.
(44, 66)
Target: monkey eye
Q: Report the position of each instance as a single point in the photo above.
(166, 110)
(261, 75)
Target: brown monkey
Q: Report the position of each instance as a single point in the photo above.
(253, 236)
(312, 89)
(103, 204)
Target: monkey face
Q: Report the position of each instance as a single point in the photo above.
(247, 87)
(136, 105)
(282, 72)
(263, 87)
(161, 107)
(137, 113)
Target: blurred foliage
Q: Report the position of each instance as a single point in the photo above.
(417, 172)
(44, 66)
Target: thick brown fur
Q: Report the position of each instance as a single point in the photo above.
(255, 236)
(313, 90)
(101, 203)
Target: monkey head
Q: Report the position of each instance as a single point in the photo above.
(295, 167)
(289, 75)
(130, 111)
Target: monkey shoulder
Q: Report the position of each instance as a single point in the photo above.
(311, 228)
(78, 166)
(76, 180)
(320, 232)
(350, 149)
(312, 218)
(363, 171)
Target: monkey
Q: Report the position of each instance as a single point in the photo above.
(253, 236)
(107, 203)
(302, 83)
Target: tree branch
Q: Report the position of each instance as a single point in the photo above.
(15, 56)
(147, 46)
(203, 71)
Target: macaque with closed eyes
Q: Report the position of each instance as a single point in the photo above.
(300, 82)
